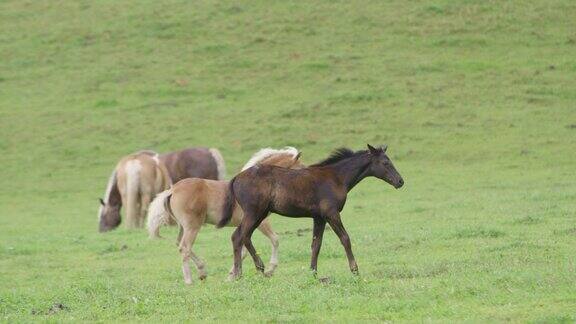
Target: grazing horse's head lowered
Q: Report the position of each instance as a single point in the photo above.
(382, 168)
(136, 179)
(109, 216)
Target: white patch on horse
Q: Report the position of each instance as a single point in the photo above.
(266, 153)
(109, 186)
(133, 168)
(220, 166)
(156, 159)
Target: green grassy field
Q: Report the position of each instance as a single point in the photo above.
(476, 100)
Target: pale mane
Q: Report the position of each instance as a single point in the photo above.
(266, 153)
(111, 182)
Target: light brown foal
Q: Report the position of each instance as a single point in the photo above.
(194, 202)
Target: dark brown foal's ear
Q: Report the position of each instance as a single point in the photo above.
(384, 148)
(101, 201)
(373, 150)
(297, 157)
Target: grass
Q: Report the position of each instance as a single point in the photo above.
(475, 100)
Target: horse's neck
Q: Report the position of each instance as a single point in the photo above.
(351, 171)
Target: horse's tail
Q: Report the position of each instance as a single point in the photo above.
(228, 206)
(220, 166)
(159, 213)
(132, 189)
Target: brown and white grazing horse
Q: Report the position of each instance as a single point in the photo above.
(194, 202)
(132, 183)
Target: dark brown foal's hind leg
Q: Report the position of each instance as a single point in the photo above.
(237, 248)
(248, 243)
(257, 260)
(317, 234)
(336, 224)
(242, 236)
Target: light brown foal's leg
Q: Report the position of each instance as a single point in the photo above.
(186, 252)
(200, 265)
(266, 229)
(180, 233)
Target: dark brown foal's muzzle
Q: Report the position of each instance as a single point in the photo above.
(399, 184)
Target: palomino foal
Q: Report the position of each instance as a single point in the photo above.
(318, 191)
(134, 182)
(194, 202)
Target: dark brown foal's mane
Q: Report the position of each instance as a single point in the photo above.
(339, 155)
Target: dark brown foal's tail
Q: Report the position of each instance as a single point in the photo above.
(228, 205)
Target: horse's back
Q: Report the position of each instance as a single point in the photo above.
(190, 163)
(146, 167)
(201, 198)
(275, 174)
(195, 185)
(288, 192)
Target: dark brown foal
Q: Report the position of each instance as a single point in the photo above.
(318, 191)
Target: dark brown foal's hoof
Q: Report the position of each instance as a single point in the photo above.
(260, 267)
(354, 270)
(314, 273)
(202, 277)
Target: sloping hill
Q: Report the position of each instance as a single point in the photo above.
(475, 100)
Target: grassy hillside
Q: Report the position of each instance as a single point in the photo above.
(476, 100)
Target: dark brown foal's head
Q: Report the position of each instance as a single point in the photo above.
(109, 216)
(382, 168)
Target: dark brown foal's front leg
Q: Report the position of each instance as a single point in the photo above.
(252, 225)
(336, 224)
(317, 233)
